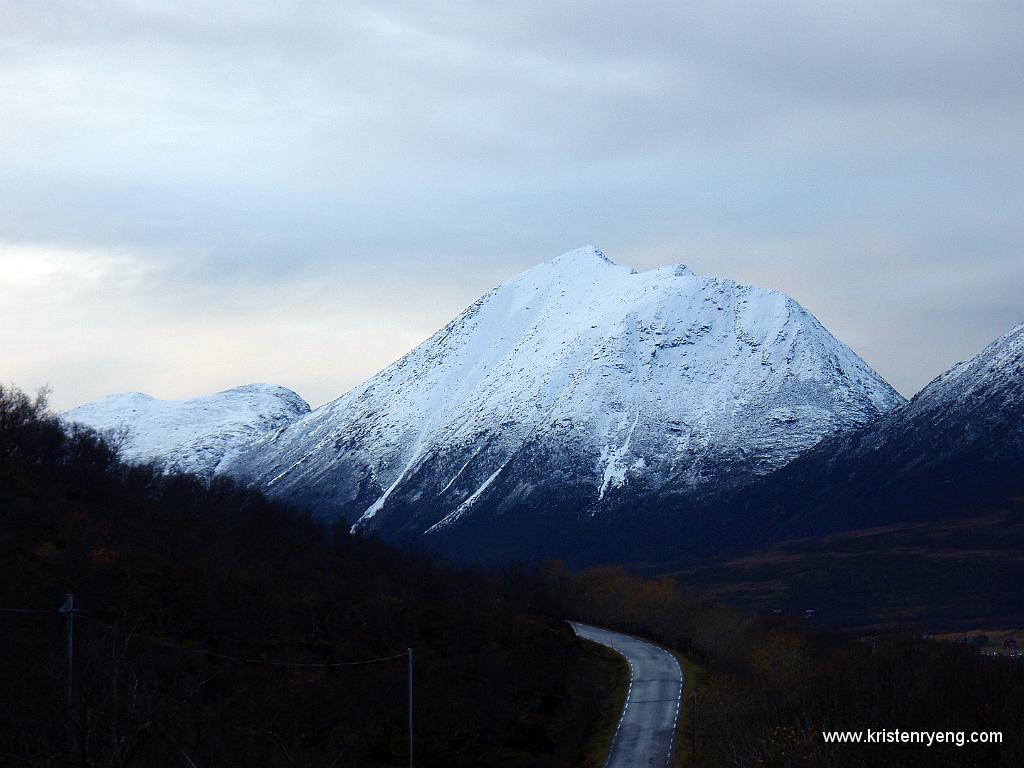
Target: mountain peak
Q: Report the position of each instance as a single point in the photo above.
(586, 255)
(591, 256)
(575, 368)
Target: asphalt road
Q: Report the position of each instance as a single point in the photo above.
(645, 735)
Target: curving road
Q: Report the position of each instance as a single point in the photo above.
(646, 731)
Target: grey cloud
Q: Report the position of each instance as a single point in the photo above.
(864, 157)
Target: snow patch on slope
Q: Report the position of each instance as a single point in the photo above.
(465, 506)
(613, 459)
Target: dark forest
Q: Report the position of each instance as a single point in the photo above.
(215, 627)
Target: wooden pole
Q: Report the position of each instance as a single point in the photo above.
(68, 609)
(410, 708)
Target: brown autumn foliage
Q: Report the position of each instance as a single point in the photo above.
(772, 687)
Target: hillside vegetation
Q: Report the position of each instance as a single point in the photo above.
(216, 629)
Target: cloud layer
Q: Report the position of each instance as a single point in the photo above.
(203, 194)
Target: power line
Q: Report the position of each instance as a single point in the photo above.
(519, 690)
(213, 654)
(27, 610)
(249, 660)
(325, 665)
(407, 655)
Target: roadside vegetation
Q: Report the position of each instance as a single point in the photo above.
(766, 688)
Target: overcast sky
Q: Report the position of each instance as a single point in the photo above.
(197, 195)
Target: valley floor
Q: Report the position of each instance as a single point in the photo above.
(935, 577)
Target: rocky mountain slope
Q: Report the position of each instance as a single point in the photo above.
(577, 377)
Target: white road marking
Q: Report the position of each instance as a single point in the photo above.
(644, 735)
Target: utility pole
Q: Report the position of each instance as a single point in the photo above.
(410, 706)
(68, 609)
(693, 731)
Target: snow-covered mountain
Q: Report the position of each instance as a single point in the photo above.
(955, 449)
(191, 435)
(976, 405)
(577, 377)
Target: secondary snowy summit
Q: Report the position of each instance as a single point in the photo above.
(191, 435)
